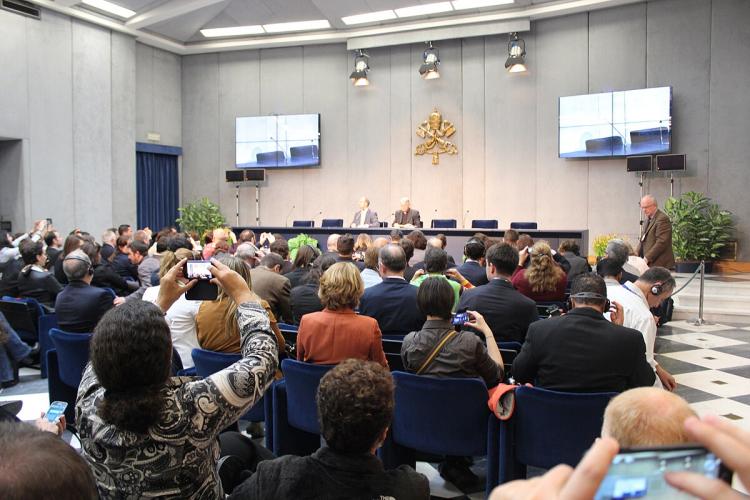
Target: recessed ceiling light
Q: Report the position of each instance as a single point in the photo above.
(297, 26)
(424, 9)
(477, 4)
(370, 17)
(110, 7)
(233, 31)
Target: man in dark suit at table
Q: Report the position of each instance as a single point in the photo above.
(364, 217)
(473, 267)
(582, 351)
(406, 216)
(393, 302)
(507, 312)
(656, 240)
(80, 306)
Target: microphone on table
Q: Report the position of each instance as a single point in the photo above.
(289, 215)
(465, 215)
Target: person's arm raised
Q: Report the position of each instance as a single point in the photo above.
(172, 285)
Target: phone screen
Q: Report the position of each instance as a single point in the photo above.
(459, 319)
(198, 269)
(56, 409)
(640, 473)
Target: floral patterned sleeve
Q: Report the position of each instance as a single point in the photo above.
(219, 400)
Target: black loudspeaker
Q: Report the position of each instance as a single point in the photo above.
(235, 175)
(639, 163)
(255, 175)
(670, 162)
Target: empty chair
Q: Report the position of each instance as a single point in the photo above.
(444, 223)
(66, 363)
(31, 323)
(295, 411)
(303, 223)
(441, 416)
(484, 224)
(547, 428)
(310, 151)
(270, 158)
(523, 225)
(332, 223)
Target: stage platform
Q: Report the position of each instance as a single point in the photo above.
(456, 237)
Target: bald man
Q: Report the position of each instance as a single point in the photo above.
(647, 416)
(656, 239)
(364, 217)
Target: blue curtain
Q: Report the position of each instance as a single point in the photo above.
(157, 187)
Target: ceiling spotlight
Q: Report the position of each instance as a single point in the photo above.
(359, 75)
(430, 62)
(516, 62)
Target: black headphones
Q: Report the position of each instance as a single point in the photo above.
(472, 241)
(90, 269)
(657, 288)
(590, 295)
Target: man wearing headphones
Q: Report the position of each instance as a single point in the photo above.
(637, 298)
(582, 351)
(80, 306)
(473, 267)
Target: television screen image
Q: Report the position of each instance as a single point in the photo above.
(280, 141)
(631, 122)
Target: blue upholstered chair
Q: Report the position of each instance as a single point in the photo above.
(295, 411)
(289, 332)
(66, 363)
(523, 225)
(332, 223)
(443, 223)
(484, 224)
(547, 428)
(441, 416)
(303, 223)
(32, 324)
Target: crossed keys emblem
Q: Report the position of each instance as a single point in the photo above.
(436, 131)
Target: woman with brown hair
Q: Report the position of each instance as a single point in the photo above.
(337, 333)
(364, 241)
(544, 280)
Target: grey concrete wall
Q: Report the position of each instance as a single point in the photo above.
(507, 167)
(158, 90)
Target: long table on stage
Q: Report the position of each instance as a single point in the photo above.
(456, 237)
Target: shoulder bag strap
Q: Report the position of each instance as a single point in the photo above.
(436, 351)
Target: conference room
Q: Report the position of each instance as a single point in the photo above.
(374, 248)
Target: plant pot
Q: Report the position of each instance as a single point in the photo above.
(689, 266)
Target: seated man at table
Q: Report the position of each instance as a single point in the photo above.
(364, 217)
(406, 216)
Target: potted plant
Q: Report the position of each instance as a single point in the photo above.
(200, 216)
(700, 229)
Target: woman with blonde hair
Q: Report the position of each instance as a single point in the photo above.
(337, 333)
(544, 280)
(360, 246)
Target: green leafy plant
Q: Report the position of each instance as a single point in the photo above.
(700, 229)
(600, 243)
(200, 216)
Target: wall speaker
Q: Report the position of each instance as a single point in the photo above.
(255, 175)
(670, 162)
(639, 163)
(235, 175)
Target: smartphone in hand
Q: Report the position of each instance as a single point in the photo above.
(459, 319)
(200, 270)
(55, 410)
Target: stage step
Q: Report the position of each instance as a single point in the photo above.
(726, 299)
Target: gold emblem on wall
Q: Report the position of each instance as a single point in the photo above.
(436, 131)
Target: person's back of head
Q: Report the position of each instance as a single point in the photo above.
(371, 258)
(123, 244)
(245, 251)
(131, 354)
(306, 255)
(139, 247)
(435, 260)
(364, 241)
(92, 251)
(524, 240)
(30, 250)
(408, 246)
(355, 406)
(396, 235)
(510, 236)
(39, 465)
(123, 229)
(280, 247)
(170, 259)
(109, 238)
(435, 242)
(142, 236)
(247, 236)
(589, 289)
(474, 249)
(180, 240)
(393, 258)
(72, 241)
(272, 261)
(162, 244)
(503, 257)
(543, 273)
(50, 237)
(617, 250)
(341, 287)
(435, 298)
(645, 417)
(609, 268)
(659, 276)
(569, 246)
(77, 265)
(345, 245)
(380, 242)
(418, 238)
(332, 242)
(320, 265)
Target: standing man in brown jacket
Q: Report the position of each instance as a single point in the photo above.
(656, 239)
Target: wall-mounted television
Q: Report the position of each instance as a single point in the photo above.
(631, 122)
(277, 141)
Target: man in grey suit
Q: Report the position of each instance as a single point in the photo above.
(365, 217)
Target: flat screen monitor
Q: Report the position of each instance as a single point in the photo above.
(630, 122)
(277, 141)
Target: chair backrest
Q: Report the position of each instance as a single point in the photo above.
(289, 332)
(209, 362)
(392, 346)
(509, 356)
(72, 354)
(512, 345)
(552, 428)
(392, 349)
(484, 224)
(523, 225)
(303, 223)
(332, 223)
(444, 416)
(443, 223)
(302, 380)
(22, 315)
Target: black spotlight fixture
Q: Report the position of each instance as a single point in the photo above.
(516, 62)
(361, 68)
(430, 62)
